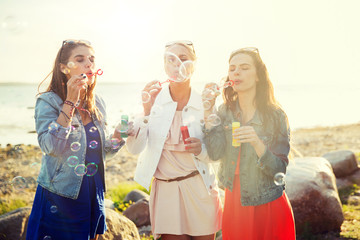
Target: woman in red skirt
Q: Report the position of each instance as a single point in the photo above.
(253, 156)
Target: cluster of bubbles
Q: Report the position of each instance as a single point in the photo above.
(213, 120)
(176, 70)
(81, 169)
(210, 93)
(73, 161)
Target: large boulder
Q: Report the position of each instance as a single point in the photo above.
(343, 162)
(119, 227)
(349, 180)
(13, 224)
(139, 213)
(311, 188)
(136, 195)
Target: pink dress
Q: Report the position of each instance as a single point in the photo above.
(181, 207)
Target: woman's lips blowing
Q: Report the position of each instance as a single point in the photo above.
(238, 81)
(90, 74)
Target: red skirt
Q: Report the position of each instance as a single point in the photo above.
(269, 221)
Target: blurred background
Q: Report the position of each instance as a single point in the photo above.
(311, 49)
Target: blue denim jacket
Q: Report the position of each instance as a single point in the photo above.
(55, 174)
(256, 174)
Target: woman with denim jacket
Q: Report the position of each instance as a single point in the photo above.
(71, 126)
(184, 201)
(256, 206)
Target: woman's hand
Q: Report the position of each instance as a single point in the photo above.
(74, 85)
(131, 130)
(153, 89)
(247, 134)
(193, 145)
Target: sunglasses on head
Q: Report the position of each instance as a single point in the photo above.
(72, 41)
(184, 42)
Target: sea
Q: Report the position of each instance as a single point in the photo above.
(307, 105)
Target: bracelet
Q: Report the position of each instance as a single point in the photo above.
(72, 107)
(69, 103)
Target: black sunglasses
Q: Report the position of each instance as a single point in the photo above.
(72, 41)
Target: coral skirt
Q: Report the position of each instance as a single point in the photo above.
(269, 221)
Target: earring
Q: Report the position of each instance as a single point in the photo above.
(66, 71)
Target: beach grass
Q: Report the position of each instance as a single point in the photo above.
(350, 229)
(117, 194)
(11, 204)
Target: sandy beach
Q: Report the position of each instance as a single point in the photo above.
(24, 160)
(314, 142)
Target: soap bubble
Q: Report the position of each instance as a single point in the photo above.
(80, 169)
(18, 183)
(115, 143)
(279, 178)
(213, 120)
(53, 209)
(93, 129)
(91, 169)
(145, 96)
(93, 144)
(71, 65)
(177, 70)
(72, 161)
(75, 146)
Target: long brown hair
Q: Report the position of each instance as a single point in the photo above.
(59, 79)
(265, 100)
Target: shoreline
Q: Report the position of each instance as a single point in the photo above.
(326, 138)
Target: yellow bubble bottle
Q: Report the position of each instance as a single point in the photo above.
(235, 142)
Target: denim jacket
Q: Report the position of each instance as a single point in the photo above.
(256, 174)
(55, 174)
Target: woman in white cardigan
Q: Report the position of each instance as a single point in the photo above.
(184, 199)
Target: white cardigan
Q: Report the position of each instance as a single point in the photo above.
(154, 130)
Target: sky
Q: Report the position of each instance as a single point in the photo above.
(301, 42)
